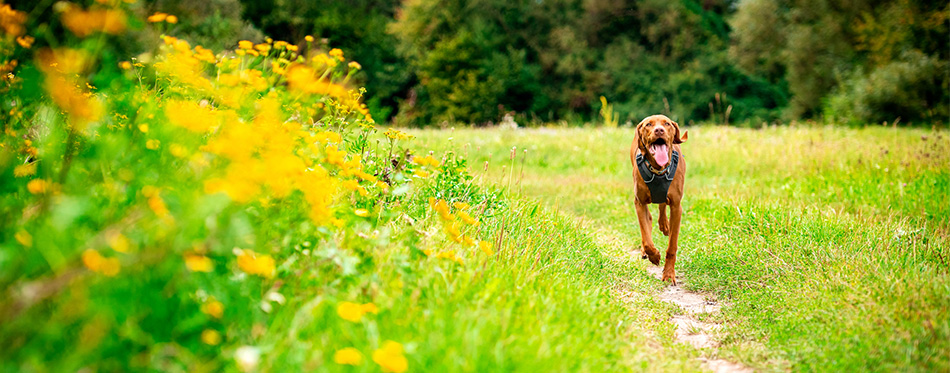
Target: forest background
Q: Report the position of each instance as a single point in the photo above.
(448, 62)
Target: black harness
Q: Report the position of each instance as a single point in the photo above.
(658, 183)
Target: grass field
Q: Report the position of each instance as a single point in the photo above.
(830, 246)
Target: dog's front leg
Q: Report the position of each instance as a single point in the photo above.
(646, 230)
(676, 215)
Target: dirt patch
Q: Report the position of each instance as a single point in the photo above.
(689, 329)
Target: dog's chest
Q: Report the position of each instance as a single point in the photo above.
(659, 184)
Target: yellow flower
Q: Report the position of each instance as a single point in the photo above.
(157, 17)
(420, 173)
(369, 308)
(350, 311)
(213, 308)
(361, 212)
(97, 263)
(337, 53)
(24, 238)
(198, 263)
(485, 247)
(22, 170)
(390, 357)
(468, 241)
(347, 356)
(152, 144)
(308, 38)
(171, 19)
(461, 205)
(125, 65)
(25, 41)
(38, 186)
(191, 116)
(211, 337)
(118, 242)
(245, 44)
(442, 208)
(143, 127)
(83, 23)
(264, 48)
(468, 219)
(256, 264)
(354, 65)
(11, 21)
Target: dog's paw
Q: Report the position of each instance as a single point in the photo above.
(649, 252)
(669, 274)
(665, 227)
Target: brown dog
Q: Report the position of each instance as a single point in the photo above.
(658, 167)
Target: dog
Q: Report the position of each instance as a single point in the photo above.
(659, 167)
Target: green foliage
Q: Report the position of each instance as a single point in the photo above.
(468, 56)
(845, 59)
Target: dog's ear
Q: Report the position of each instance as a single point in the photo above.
(676, 138)
(637, 137)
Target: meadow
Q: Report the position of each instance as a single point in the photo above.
(239, 209)
(829, 246)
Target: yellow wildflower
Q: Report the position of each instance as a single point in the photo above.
(350, 311)
(421, 173)
(118, 242)
(191, 116)
(83, 23)
(25, 41)
(97, 263)
(143, 127)
(347, 356)
(24, 238)
(27, 169)
(11, 21)
(468, 241)
(461, 205)
(198, 263)
(38, 186)
(336, 53)
(256, 264)
(443, 209)
(245, 44)
(213, 308)
(125, 65)
(152, 144)
(308, 38)
(211, 337)
(485, 247)
(468, 219)
(361, 212)
(354, 65)
(157, 17)
(171, 19)
(263, 48)
(390, 358)
(369, 308)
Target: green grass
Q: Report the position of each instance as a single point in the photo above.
(829, 245)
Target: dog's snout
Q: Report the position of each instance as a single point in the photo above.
(659, 130)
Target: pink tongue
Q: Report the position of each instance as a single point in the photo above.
(660, 154)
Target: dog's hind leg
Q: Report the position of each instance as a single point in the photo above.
(664, 223)
(646, 230)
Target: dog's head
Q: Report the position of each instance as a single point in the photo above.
(655, 136)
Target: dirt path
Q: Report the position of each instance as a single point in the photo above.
(689, 329)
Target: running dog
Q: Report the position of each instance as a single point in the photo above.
(659, 171)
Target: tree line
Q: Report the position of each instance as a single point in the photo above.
(427, 62)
